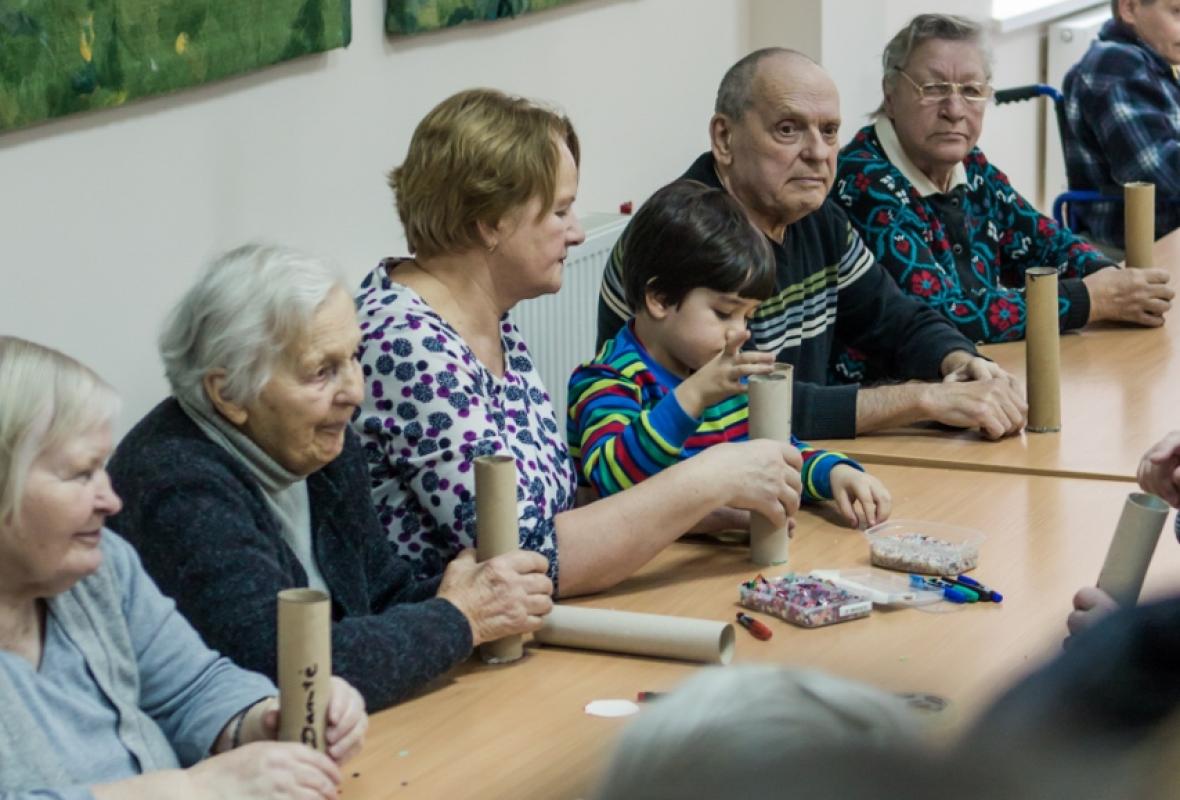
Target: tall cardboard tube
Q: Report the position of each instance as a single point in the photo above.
(1131, 548)
(305, 665)
(704, 640)
(770, 418)
(1139, 222)
(1042, 350)
(497, 532)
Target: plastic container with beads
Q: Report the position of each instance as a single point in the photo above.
(803, 600)
(929, 548)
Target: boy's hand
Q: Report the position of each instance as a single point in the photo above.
(862, 498)
(722, 376)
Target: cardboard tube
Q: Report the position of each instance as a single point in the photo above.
(654, 635)
(1042, 350)
(1132, 547)
(497, 532)
(305, 665)
(1139, 222)
(770, 418)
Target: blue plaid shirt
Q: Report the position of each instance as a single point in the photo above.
(1122, 101)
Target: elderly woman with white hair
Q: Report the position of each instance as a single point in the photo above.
(248, 480)
(106, 690)
(947, 223)
(761, 730)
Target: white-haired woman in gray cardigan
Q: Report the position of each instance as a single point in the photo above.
(107, 691)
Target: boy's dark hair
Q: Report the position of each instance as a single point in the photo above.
(689, 236)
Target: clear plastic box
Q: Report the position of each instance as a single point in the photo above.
(928, 548)
(882, 587)
(803, 600)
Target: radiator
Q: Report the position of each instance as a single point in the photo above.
(560, 328)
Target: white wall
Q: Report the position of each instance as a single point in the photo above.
(104, 218)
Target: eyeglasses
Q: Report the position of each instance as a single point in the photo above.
(933, 93)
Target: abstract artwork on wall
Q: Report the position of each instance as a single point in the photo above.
(404, 17)
(60, 57)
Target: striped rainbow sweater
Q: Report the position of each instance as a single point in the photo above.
(625, 423)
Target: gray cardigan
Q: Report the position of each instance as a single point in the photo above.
(207, 534)
(142, 655)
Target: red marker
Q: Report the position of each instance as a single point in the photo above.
(759, 629)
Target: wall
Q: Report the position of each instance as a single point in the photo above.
(105, 218)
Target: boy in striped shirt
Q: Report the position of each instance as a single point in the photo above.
(672, 382)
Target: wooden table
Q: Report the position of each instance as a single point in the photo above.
(1120, 393)
(519, 731)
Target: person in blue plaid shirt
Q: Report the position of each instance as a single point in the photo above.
(1122, 102)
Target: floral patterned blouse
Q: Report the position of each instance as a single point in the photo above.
(430, 409)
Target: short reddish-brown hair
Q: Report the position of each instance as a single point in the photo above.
(474, 158)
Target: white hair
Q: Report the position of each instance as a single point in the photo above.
(46, 399)
(245, 309)
(924, 28)
(737, 728)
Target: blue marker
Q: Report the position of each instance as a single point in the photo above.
(950, 592)
(984, 592)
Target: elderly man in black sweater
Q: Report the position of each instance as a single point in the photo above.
(774, 149)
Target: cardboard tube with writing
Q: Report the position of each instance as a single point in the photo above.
(1131, 548)
(496, 533)
(305, 665)
(1043, 351)
(1139, 219)
(656, 635)
(770, 418)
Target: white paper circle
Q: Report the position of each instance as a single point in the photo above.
(611, 708)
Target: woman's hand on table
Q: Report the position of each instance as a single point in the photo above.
(502, 596)
(1140, 296)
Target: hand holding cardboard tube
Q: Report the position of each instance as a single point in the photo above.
(1138, 296)
(505, 595)
(761, 475)
(263, 768)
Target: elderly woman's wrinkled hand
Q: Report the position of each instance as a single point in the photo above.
(1159, 470)
(1139, 296)
(266, 771)
(347, 721)
(502, 596)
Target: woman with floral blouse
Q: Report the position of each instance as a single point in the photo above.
(486, 198)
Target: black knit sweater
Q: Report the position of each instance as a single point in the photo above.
(207, 536)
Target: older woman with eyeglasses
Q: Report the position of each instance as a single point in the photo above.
(947, 223)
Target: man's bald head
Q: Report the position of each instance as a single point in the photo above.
(737, 91)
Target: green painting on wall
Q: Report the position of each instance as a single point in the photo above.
(418, 16)
(59, 57)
